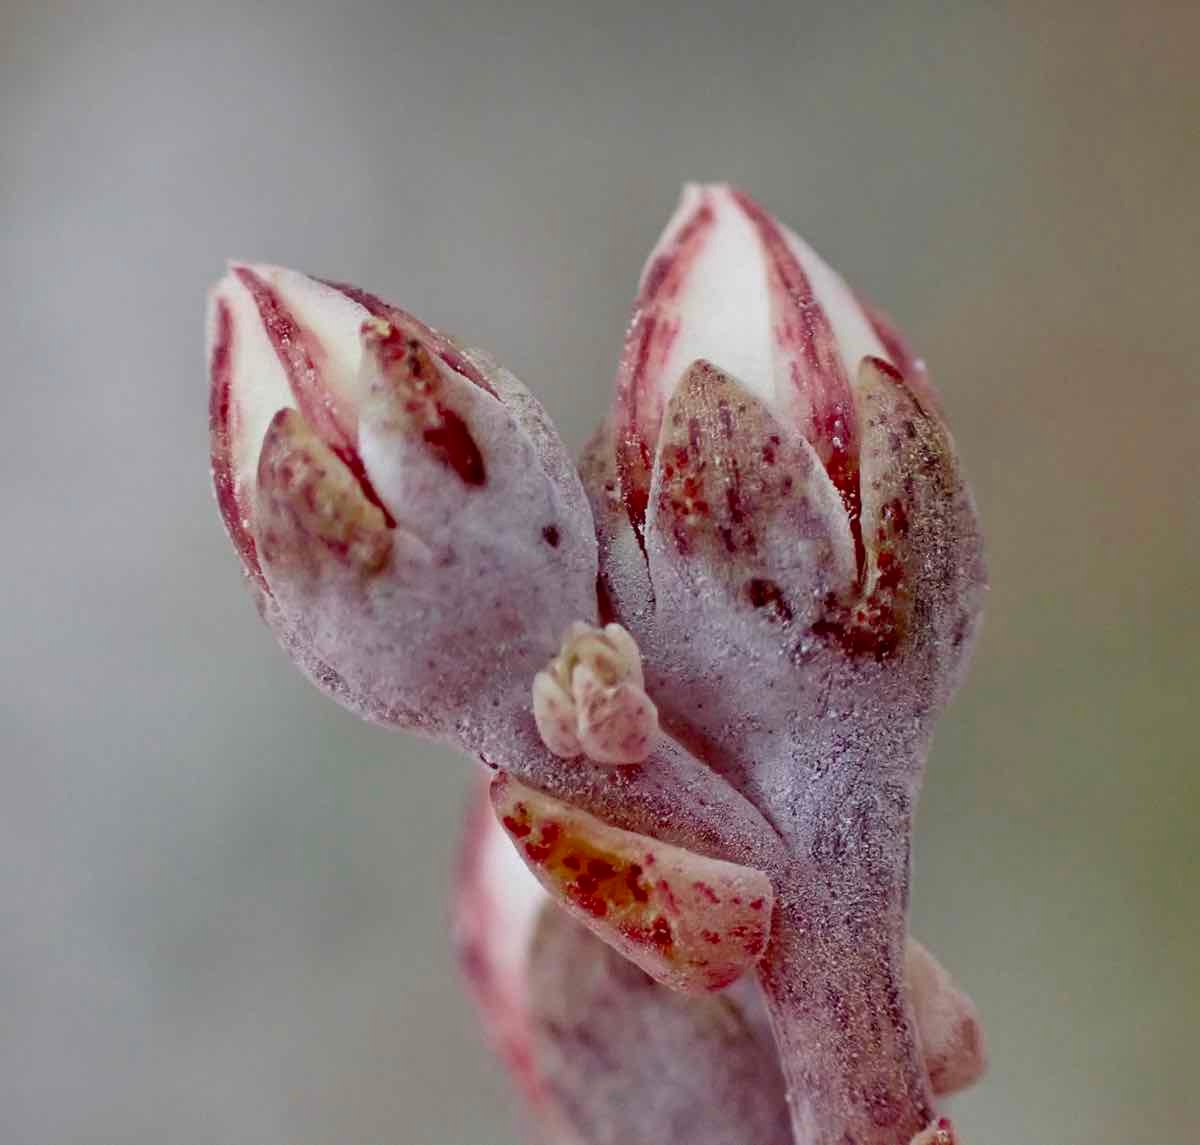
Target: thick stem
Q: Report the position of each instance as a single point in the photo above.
(833, 975)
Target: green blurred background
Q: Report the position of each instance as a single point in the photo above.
(223, 900)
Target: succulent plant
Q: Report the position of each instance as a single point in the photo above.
(703, 670)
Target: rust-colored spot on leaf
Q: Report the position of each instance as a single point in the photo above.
(767, 595)
(686, 926)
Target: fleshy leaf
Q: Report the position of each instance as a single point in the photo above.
(924, 580)
(621, 1060)
(745, 540)
(312, 514)
(948, 1024)
(741, 501)
(691, 922)
(557, 1002)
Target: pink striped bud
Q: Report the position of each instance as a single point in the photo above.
(413, 530)
(780, 509)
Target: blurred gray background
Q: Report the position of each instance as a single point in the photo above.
(222, 900)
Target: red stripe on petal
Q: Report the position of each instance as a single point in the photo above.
(220, 413)
(453, 445)
(656, 321)
(408, 363)
(896, 346)
(894, 343)
(301, 354)
(445, 348)
(805, 342)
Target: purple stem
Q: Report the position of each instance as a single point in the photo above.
(833, 975)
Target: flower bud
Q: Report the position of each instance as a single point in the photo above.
(497, 904)
(413, 529)
(591, 699)
(782, 519)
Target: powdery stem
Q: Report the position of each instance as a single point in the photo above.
(833, 975)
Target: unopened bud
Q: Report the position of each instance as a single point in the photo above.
(412, 526)
(591, 700)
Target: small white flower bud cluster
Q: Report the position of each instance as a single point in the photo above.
(591, 699)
